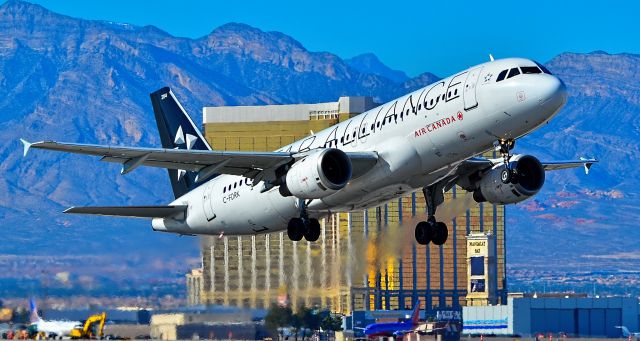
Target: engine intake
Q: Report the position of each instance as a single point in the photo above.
(317, 175)
(529, 176)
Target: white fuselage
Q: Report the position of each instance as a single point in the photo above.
(60, 328)
(419, 138)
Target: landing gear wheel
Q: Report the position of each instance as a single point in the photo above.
(312, 233)
(441, 233)
(295, 229)
(506, 175)
(427, 231)
(424, 232)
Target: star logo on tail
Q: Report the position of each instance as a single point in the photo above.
(180, 139)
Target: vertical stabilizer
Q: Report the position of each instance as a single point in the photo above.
(34, 317)
(177, 131)
(625, 331)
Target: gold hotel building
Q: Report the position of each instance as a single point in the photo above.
(363, 260)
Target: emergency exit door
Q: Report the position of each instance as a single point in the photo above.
(207, 202)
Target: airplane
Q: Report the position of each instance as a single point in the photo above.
(394, 329)
(51, 327)
(627, 333)
(429, 139)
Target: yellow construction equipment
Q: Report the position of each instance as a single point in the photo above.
(87, 331)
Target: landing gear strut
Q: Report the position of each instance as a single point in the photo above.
(432, 230)
(507, 175)
(306, 227)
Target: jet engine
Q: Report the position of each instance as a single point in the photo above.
(528, 178)
(317, 175)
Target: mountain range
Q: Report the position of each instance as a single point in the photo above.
(85, 81)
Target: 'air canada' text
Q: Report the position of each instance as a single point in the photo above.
(430, 127)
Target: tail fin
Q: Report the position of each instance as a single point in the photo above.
(625, 331)
(33, 308)
(177, 131)
(415, 316)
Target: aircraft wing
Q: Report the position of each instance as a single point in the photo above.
(555, 165)
(476, 164)
(479, 163)
(206, 162)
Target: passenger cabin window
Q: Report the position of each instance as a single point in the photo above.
(502, 75)
(529, 70)
(514, 72)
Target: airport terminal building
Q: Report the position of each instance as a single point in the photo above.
(363, 260)
(592, 317)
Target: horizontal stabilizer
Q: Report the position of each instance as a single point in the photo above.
(130, 211)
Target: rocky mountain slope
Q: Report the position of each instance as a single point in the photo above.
(88, 81)
(369, 63)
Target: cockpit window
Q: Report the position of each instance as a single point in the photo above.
(544, 69)
(529, 69)
(513, 72)
(502, 75)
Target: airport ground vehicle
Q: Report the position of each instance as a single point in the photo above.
(93, 328)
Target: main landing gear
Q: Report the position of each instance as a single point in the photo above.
(507, 175)
(432, 230)
(306, 227)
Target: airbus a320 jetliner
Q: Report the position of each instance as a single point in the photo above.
(428, 139)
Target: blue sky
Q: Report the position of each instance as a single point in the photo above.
(413, 36)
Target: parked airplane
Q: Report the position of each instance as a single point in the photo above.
(428, 139)
(394, 328)
(57, 328)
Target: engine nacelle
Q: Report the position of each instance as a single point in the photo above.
(317, 175)
(529, 178)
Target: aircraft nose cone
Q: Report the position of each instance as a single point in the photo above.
(554, 94)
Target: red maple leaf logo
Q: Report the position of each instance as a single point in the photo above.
(460, 117)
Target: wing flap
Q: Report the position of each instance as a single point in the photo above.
(192, 167)
(130, 211)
